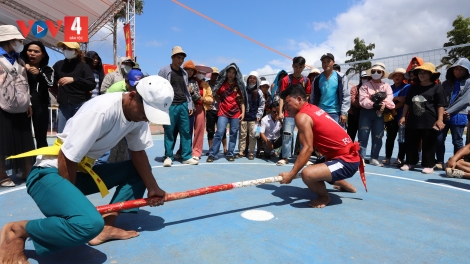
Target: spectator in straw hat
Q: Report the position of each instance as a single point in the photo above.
(457, 89)
(424, 105)
(400, 89)
(15, 127)
(201, 106)
(314, 72)
(374, 97)
(180, 110)
(74, 79)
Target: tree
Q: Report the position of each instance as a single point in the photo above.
(459, 35)
(121, 16)
(360, 53)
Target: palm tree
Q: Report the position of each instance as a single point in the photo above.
(121, 16)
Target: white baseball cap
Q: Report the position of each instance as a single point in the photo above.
(264, 83)
(157, 94)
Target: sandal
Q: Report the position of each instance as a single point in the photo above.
(454, 173)
(398, 163)
(7, 183)
(386, 161)
(230, 158)
(238, 156)
(251, 156)
(281, 162)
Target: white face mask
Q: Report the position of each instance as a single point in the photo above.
(126, 68)
(365, 80)
(17, 46)
(252, 85)
(376, 76)
(200, 76)
(69, 54)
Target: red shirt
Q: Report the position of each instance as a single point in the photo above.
(228, 106)
(328, 136)
(285, 82)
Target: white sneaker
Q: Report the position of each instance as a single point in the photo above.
(308, 163)
(191, 162)
(167, 162)
(195, 158)
(375, 162)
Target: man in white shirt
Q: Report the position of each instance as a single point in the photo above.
(270, 130)
(60, 190)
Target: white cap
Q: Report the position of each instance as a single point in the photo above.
(157, 94)
(264, 83)
(254, 73)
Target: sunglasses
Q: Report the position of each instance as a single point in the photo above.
(376, 71)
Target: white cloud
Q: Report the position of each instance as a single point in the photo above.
(175, 29)
(154, 43)
(226, 60)
(317, 26)
(396, 27)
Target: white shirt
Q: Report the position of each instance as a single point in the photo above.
(270, 128)
(96, 128)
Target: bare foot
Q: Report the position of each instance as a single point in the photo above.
(320, 202)
(344, 186)
(12, 238)
(112, 233)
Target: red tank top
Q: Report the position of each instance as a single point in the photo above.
(328, 136)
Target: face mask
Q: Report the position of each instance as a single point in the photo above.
(200, 76)
(126, 68)
(18, 46)
(365, 80)
(376, 76)
(69, 54)
(252, 85)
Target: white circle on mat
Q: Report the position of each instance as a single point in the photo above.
(257, 215)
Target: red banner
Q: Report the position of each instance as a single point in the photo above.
(108, 68)
(127, 36)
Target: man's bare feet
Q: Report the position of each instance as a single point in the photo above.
(344, 186)
(12, 238)
(112, 233)
(320, 202)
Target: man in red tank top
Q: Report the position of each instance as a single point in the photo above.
(317, 129)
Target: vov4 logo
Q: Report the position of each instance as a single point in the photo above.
(75, 28)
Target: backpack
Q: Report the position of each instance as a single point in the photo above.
(304, 83)
(14, 88)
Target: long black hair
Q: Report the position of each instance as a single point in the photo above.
(45, 56)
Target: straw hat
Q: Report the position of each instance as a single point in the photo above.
(397, 70)
(378, 66)
(314, 70)
(72, 45)
(427, 66)
(9, 32)
(215, 70)
(190, 65)
(177, 50)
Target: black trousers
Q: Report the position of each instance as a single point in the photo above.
(412, 138)
(40, 123)
(211, 121)
(392, 132)
(353, 124)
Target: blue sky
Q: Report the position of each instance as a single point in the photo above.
(307, 28)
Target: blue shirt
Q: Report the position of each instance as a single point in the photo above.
(328, 89)
(457, 119)
(96, 91)
(10, 57)
(401, 90)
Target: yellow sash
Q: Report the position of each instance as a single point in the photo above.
(85, 164)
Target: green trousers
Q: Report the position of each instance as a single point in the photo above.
(71, 219)
(179, 119)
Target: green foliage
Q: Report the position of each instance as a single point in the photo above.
(457, 36)
(139, 10)
(359, 53)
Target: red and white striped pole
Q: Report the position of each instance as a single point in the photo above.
(117, 207)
